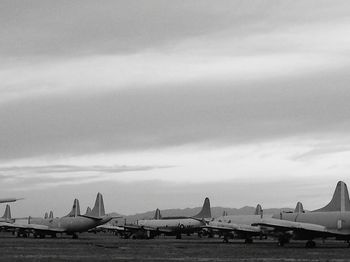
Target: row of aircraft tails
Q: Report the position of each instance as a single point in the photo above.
(330, 221)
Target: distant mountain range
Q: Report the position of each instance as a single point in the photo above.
(187, 212)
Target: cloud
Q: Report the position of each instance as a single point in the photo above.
(34, 177)
(141, 119)
(48, 28)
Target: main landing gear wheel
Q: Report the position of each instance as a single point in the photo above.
(310, 244)
(282, 240)
(22, 234)
(248, 241)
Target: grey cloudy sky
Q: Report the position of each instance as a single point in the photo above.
(170, 101)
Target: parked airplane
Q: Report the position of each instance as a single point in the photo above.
(333, 220)
(171, 225)
(70, 224)
(237, 226)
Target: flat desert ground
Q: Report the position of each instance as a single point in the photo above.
(107, 247)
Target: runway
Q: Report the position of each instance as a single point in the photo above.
(104, 246)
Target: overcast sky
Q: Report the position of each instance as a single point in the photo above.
(162, 103)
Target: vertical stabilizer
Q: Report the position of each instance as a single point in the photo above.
(88, 211)
(299, 208)
(258, 210)
(46, 215)
(99, 208)
(75, 209)
(224, 213)
(340, 201)
(51, 215)
(157, 214)
(205, 212)
(7, 213)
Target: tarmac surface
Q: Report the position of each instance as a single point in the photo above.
(107, 247)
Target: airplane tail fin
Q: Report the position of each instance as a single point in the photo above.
(157, 214)
(99, 208)
(258, 210)
(46, 215)
(88, 210)
(7, 213)
(51, 215)
(205, 212)
(340, 200)
(75, 209)
(224, 213)
(299, 208)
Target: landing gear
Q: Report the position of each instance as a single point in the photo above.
(21, 234)
(283, 239)
(248, 241)
(310, 244)
(225, 240)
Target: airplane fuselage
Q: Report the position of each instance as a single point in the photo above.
(239, 219)
(68, 224)
(183, 224)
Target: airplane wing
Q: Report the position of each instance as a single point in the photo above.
(109, 228)
(137, 227)
(301, 227)
(145, 228)
(240, 228)
(285, 225)
(91, 217)
(164, 230)
(30, 227)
